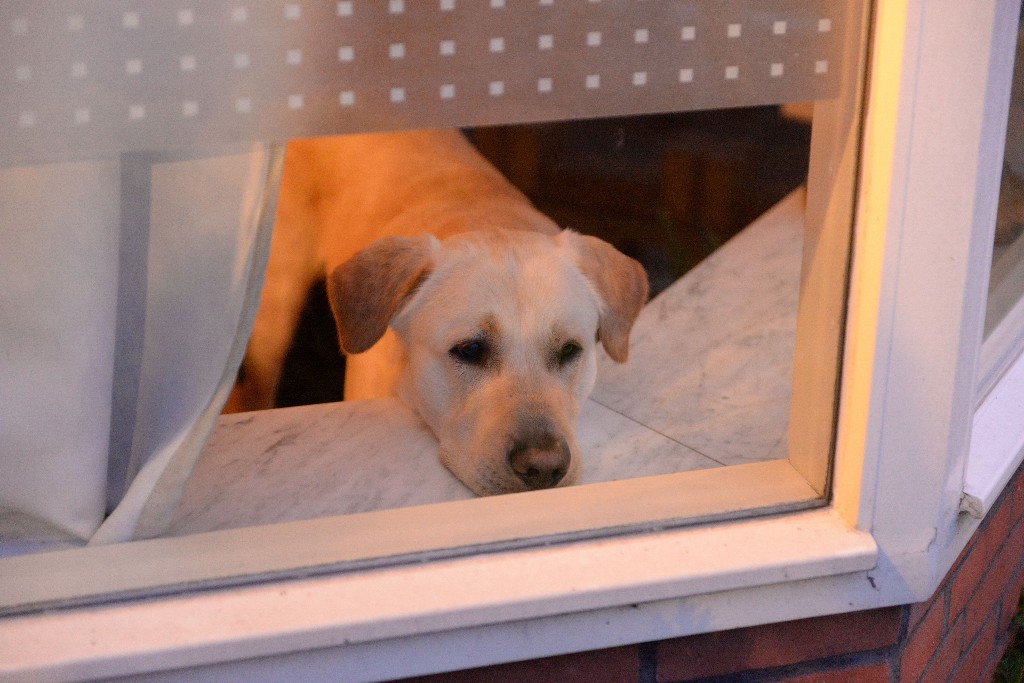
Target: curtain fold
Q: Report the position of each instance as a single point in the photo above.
(127, 293)
(58, 284)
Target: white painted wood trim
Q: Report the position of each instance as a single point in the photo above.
(922, 250)
(1001, 348)
(997, 442)
(825, 267)
(414, 601)
(403, 535)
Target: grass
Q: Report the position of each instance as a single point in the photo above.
(1011, 667)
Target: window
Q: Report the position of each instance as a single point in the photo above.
(996, 438)
(892, 528)
(1006, 282)
(712, 384)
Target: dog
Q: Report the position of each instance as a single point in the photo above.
(449, 290)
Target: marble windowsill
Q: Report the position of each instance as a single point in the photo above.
(707, 385)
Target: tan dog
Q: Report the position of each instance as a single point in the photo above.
(453, 292)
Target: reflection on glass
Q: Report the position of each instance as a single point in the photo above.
(738, 205)
(708, 382)
(715, 206)
(1006, 285)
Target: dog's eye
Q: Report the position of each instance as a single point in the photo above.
(473, 352)
(568, 353)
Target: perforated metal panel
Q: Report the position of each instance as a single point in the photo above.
(88, 78)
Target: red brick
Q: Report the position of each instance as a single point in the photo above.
(1010, 552)
(997, 581)
(969, 576)
(944, 658)
(962, 557)
(1011, 601)
(762, 647)
(1014, 494)
(1000, 518)
(976, 659)
(1013, 551)
(919, 610)
(922, 642)
(614, 665)
(983, 605)
(868, 673)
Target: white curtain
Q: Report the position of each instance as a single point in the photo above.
(127, 292)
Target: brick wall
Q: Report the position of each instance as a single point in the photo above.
(959, 635)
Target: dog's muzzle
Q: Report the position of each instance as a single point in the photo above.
(540, 460)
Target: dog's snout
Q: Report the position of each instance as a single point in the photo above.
(540, 462)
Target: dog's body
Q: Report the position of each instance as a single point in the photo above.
(453, 292)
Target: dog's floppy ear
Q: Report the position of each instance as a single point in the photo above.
(621, 283)
(366, 291)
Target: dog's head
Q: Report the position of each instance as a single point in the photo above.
(499, 329)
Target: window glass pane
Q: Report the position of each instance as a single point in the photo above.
(1004, 319)
(711, 203)
(740, 217)
(714, 143)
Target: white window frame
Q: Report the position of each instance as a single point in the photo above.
(933, 133)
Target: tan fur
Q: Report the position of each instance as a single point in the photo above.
(365, 210)
(621, 285)
(362, 313)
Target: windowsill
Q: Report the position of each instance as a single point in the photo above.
(459, 613)
(997, 442)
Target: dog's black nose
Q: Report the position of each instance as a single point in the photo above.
(540, 462)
